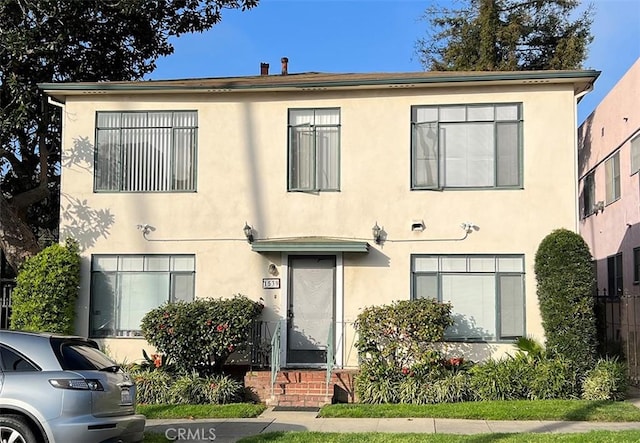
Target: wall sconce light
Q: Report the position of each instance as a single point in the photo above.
(145, 229)
(248, 232)
(418, 225)
(377, 233)
(469, 227)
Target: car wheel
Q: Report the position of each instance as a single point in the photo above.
(14, 429)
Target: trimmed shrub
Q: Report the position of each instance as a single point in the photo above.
(606, 381)
(564, 270)
(44, 298)
(395, 345)
(201, 334)
(401, 334)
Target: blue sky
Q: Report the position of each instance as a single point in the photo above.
(365, 36)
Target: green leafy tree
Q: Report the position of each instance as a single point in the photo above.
(45, 41)
(45, 295)
(506, 35)
(566, 282)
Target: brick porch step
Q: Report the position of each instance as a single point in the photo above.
(301, 387)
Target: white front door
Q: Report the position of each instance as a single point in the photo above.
(311, 309)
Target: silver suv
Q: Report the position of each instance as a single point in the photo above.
(63, 389)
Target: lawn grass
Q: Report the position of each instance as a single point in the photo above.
(233, 410)
(371, 437)
(555, 410)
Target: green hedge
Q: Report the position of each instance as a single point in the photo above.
(44, 298)
(566, 282)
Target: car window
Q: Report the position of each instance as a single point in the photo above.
(82, 357)
(14, 362)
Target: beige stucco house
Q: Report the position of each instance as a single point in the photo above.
(609, 161)
(321, 194)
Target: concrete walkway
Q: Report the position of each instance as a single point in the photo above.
(231, 430)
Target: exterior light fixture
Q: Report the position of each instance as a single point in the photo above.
(248, 232)
(469, 227)
(377, 233)
(417, 225)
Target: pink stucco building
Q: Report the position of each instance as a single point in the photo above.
(609, 186)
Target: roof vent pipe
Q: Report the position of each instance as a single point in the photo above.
(264, 68)
(285, 65)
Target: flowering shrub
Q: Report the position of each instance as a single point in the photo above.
(401, 334)
(398, 359)
(201, 334)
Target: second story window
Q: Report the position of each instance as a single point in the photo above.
(146, 151)
(612, 174)
(588, 194)
(314, 149)
(635, 154)
(466, 146)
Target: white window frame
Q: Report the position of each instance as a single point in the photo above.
(441, 268)
(116, 271)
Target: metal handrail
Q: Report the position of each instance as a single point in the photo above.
(275, 356)
(330, 356)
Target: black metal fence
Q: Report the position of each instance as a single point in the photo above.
(619, 329)
(6, 288)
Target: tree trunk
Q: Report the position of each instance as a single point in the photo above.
(17, 240)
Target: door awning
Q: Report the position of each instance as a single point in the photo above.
(309, 244)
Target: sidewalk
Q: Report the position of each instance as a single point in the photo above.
(231, 430)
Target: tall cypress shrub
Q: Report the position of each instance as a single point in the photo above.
(566, 281)
(44, 298)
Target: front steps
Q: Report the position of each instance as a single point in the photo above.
(302, 387)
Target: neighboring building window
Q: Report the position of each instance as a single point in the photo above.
(635, 154)
(125, 287)
(614, 274)
(486, 293)
(146, 151)
(314, 149)
(612, 173)
(636, 265)
(588, 194)
(466, 146)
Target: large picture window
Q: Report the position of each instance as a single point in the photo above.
(146, 151)
(466, 146)
(125, 287)
(486, 293)
(314, 150)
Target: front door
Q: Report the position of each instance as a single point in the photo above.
(312, 287)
